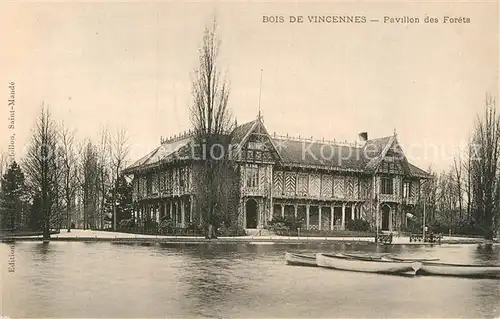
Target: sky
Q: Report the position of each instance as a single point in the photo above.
(129, 66)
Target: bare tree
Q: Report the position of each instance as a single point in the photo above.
(211, 120)
(4, 160)
(40, 166)
(468, 187)
(119, 153)
(457, 170)
(89, 184)
(69, 170)
(485, 167)
(103, 167)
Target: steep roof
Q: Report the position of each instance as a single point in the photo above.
(292, 152)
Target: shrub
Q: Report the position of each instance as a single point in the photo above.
(150, 226)
(280, 224)
(127, 224)
(357, 225)
(232, 230)
(166, 226)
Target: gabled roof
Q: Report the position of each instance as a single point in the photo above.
(241, 131)
(293, 152)
(241, 134)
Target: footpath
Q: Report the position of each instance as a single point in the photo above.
(127, 238)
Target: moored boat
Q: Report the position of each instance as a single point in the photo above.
(363, 264)
(459, 270)
(408, 259)
(300, 259)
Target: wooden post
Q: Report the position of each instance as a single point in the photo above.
(307, 216)
(331, 217)
(282, 210)
(319, 217)
(191, 207)
(343, 216)
(171, 210)
(352, 211)
(183, 213)
(296, 208)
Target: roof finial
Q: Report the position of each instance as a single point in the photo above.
(394, 132)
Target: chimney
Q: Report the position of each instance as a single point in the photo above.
(362, 138)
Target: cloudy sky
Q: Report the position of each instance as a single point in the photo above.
(128, 66)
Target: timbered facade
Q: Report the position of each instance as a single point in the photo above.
(323, 183)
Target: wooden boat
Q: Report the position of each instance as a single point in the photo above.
(300, 259)
(363, 256)
(459, 270)
(363, 264)
(407, 259)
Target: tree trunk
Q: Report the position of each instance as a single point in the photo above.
(68, 217)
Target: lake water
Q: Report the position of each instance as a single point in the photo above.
(76, 279)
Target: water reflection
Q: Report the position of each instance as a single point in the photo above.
(488, 254)
(236, 280)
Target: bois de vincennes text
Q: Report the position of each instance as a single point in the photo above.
(359, 19)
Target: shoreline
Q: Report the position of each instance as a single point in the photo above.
(276, 240)
(79, 235)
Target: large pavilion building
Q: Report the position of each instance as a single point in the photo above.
(322, 182)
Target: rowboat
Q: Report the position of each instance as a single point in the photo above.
(459, 270)
(407, 259)
(300, 259)
(362, 264)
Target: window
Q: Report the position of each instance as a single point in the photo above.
(149, 184)
(182, 178)
(406, 190)
(387, 185)
(252, 176)
(255, 146)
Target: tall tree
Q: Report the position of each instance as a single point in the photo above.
(69, 171)
(119, 153)
(457, 170)
(122, 201)
(13, 199)
(4, 160)
(103, 171)
(40, 166)
(211, 120)
(485, 168)
(89, 184)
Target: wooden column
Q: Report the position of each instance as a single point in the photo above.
(183, 213)
(171, 210)
(157, 213)
(391, 210)
(307, 216)
(282, 210)
(191, 207)
(343, 216)
(331, 217)
(296, 209)
(319, 217)
(353, 206)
